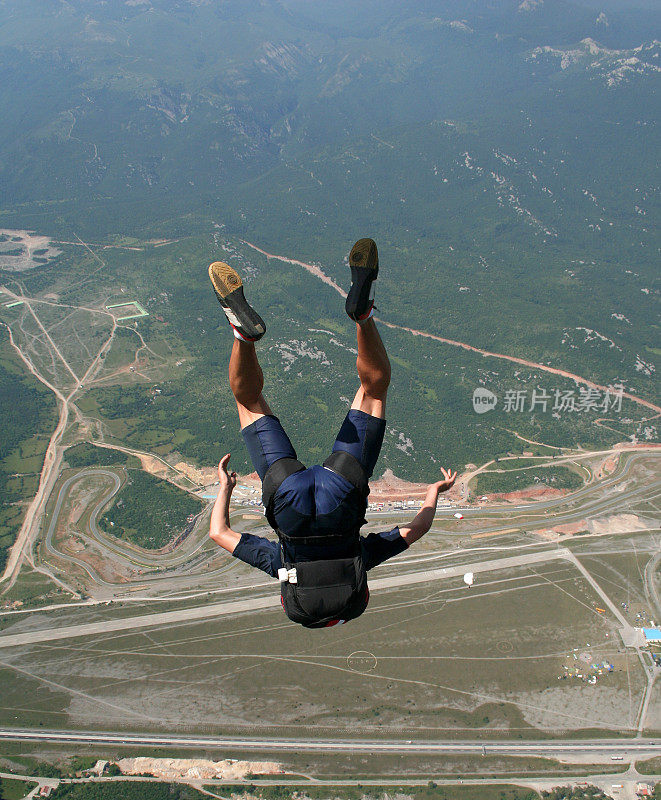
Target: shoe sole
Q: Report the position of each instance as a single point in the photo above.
(364, 264)
(228, 286)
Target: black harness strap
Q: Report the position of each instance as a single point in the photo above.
(348, 466)
(275, 475)
(327, 538)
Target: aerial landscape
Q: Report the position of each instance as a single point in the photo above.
(504, 155)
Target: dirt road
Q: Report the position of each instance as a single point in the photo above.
(53, 457)
(315, 270)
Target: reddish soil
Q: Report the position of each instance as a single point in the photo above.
(251, 480)
(531, 493)
(607, 467)
(387, 488)
(390, 489)
(571, 528)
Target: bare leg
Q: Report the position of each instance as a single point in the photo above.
(373, 370)
(246, 383)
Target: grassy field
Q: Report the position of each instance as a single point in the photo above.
(148, 511)
(362, 766)
(622, 576)
(430, 792)
(87, 455)
(652, 766)
(11, 789)
(517, 631)
(135, 790)
(513, 479)
(33, 589)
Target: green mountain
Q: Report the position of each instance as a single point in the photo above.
(503, 153)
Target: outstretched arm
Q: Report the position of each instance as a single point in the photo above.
(220, 530)
(424, 518)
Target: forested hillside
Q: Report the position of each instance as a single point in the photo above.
(504, 156)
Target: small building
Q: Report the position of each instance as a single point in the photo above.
(652, 635)
(644, 789)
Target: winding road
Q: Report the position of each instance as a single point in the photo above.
(64, 489)
(192, 558)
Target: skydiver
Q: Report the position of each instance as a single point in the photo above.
(321, 559)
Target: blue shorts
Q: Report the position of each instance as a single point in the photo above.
(317, 501)
(361, 435)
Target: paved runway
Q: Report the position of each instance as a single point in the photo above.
(272, 601)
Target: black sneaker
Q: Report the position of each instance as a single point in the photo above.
(364, 263)
(228, 286)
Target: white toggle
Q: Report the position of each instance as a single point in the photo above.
(287, 575)
(231, 316)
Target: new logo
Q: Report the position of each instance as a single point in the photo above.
(483, 400)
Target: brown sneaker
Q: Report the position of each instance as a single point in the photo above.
(228, 286)
(364, 263)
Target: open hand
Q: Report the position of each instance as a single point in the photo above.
(227, 479)
(449, 477)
